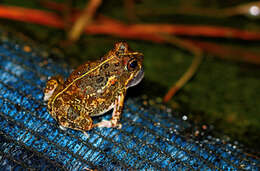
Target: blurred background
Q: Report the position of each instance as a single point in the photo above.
(202, 57)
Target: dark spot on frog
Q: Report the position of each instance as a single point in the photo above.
(84, 122)
(72, 125)
(57, 103)
(107, 74)
(105, 66)
(66, 97)
(117, 64)
(72, 113)
(62, 120)
(100, 79)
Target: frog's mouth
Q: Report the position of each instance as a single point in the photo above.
(137, 79)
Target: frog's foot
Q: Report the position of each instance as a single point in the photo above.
(86, 134)
(109, 124)
(114, 122)
(87, 169)
(62, 128)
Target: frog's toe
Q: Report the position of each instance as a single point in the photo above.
(62, 128)
(119, 126)
(108, 124)
(86, 134)
(104, 123)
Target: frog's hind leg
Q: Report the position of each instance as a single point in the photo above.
(76, 120)
(85, 123)
(82, 124)
(114, 122)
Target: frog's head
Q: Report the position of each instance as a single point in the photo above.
(51, 86)
(132, 63)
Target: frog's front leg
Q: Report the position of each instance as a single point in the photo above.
(55, 82)
(114, 122)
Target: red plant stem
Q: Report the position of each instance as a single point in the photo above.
(105, 25)
(31, 15)
(206, 31)
(198, 56)
(112, 27)
(228, 52)
(54, 5)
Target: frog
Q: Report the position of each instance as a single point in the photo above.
(95, 88)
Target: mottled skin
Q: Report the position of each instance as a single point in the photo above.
(94, 88)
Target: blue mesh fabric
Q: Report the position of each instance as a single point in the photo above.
(150, 139)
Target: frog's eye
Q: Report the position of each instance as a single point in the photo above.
(132, 64)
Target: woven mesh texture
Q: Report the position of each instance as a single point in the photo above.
(151, 138)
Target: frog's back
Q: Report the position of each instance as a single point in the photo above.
(82, 70)
(90, 88)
